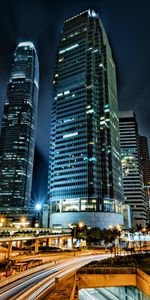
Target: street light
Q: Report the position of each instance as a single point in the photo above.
(81, 224)
(38, 206)
(23, 222)
(2, 220)
(23, 219)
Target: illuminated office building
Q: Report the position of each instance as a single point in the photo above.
(84, 169)
(144, 155)
(18, 131)
(131, 166)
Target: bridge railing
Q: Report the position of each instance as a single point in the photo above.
(13, 232)
(107, 270)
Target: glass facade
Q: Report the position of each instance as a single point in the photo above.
(131, 166)
(114, 293)
(84, 165)
(18, 129)
(144, 154)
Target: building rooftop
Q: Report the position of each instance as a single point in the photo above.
(126, 114)
(26, 44)
(90, 12)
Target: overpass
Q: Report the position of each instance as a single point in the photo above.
(96, 277)
(52, 236)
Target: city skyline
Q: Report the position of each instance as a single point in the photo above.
(130, 57)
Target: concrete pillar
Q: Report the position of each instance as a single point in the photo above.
(9, 248)
(21, 244)
(64, 243)
(61, 242)
(71, 242)
(36, 245)
(49, 242)
(17, 244)
(58, 242)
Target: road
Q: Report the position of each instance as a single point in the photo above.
(32, 286)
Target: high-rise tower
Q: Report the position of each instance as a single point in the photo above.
(131, 165)
(144, 155)
(18, 131)
(84, 170)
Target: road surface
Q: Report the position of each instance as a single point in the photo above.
(33, 285)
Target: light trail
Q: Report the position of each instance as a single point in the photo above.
(25, 287)
(50, 281)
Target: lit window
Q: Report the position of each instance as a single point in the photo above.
(90, 111)
(70, 135)
(69, 48)
(66, 92)
(60, 94)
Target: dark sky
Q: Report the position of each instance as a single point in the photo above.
(127, 23)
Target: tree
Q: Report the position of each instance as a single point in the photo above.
(81, 231)
(94, 235)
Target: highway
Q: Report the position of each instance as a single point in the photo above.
(33, 286)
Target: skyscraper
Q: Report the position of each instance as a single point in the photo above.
(84, 169)
(131, 165)
(18, 131)
(144, 155)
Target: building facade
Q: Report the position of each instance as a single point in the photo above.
(84, 169)
(131, 167)
(144, 155)
(126, 210)
(17, 139)
(145, 161)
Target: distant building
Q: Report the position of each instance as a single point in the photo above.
(144, 155)
(126, 210)
(131, 167)
(17, 139)
(85, 181)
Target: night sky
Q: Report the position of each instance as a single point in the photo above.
(127, 23)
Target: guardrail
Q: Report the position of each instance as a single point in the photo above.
(8, 232)
(107, 270)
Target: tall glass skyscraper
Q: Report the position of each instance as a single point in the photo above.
(132, 169)
(145, 161)
(84, 169)
(18, 131)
